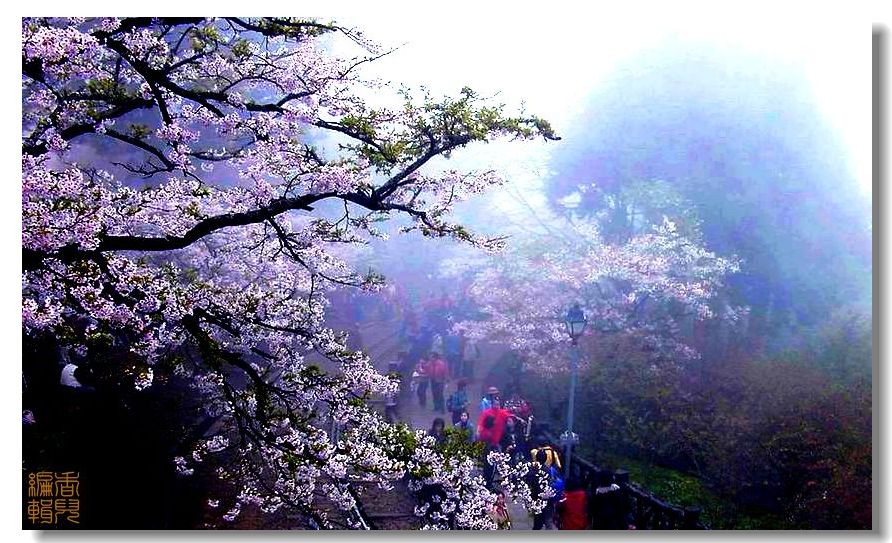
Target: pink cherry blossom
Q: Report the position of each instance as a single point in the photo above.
(643, 286)
(172, 180)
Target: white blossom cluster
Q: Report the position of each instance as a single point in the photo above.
(195, 243)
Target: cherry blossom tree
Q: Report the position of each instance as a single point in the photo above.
(644, 286)
(178, 182)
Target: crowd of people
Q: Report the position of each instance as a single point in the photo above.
(572, 505)
(440, 366)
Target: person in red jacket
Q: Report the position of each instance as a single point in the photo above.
(439, 373)
(573, 507)
(491, 423)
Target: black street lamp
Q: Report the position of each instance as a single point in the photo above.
(575, 322)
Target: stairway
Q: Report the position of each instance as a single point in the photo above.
(379, 339)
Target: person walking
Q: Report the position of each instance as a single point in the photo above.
(486, 402)
(512, 442)
(573, 508)
(453, 353)
(470, 358)
(489, 471)
(552, 457)
(421, 379)
(539, 478)
(458, 401)
(491, 424)
(439, 373)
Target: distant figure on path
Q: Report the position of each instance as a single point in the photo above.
(439, 373)
(453, 352)
(470, 358)
(421, 380)
(458, 401)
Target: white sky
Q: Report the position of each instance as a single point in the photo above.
(543, 52)
(551, 58)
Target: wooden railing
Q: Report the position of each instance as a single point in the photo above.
(644, 510)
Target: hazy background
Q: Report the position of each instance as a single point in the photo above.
(760, 117)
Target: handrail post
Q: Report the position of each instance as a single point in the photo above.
(569, 437)
(691, 518)
(621, 477)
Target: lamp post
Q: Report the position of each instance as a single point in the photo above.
(575, 323)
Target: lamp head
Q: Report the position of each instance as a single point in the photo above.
(575, 322)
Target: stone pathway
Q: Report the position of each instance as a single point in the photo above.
(380, 341)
